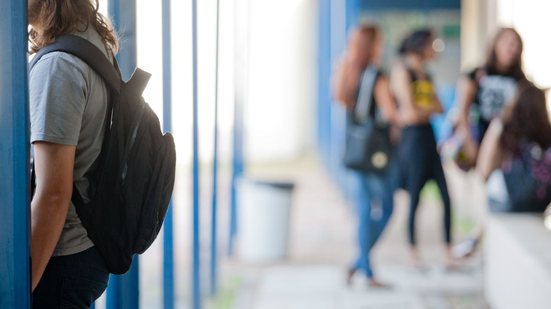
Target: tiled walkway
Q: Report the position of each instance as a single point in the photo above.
(323, 243)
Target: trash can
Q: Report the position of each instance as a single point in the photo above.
(263, 219)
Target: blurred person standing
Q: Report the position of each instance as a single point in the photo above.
(68, 107)
(515, 155)
(484, 91)
(420, 162)
(482, 95)
(361, 86)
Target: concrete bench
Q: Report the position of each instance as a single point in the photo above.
(517, 262)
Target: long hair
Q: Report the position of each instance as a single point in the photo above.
(491, 60)
(416, 42)
(529, 121)
(59, 17)
(360, 53)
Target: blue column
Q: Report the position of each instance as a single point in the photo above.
(124, 290)
(353, 12)
(214, 208)
(168, 240)
(241, 42)
(324, 79)
(196, 282)
(342, 16)
(15, 289)
(123, 16)
(337, 116)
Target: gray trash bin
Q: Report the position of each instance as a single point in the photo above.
(263, 219)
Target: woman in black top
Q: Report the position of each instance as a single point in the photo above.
(413, 88)
(482, 95)
(487, 89)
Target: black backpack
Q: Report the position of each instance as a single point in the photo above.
(132, 179)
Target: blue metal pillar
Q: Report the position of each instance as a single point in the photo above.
(337, 118)
(352, 186)
(214, 208)
(124, 290)
(168, 240)
(15, 286)
(123, 16)
(196, 280)
(241, 34)
(324, 79)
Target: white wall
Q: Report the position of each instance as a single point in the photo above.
(280, 110)
(532, 19)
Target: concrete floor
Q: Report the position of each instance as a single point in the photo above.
(323, 244)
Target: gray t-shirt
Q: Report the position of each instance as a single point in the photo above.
(68, 103)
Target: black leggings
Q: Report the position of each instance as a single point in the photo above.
(420, 162)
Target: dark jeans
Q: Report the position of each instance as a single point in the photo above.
(420, 162)
(72, 281)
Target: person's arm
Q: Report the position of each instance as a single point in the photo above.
(341, 84)
(437, 107)
(400, 85)
(466, 91)
(489, 155)
(54, 165)
(385, 101)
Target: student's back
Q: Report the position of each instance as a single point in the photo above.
(516, 153)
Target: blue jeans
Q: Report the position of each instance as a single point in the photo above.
(374, 207)
(72, 281)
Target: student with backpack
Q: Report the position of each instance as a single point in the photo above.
(362, 88)
(420, 162)
(515, 155)
(103, 172)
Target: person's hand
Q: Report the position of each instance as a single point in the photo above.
(506, 112)
(470, 146)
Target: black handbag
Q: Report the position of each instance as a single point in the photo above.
(368, 147)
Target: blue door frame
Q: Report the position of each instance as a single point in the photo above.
(15, 286)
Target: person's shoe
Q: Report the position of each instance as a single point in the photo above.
(415, 261)
(349, 275)
(466, 248)
(376, 284)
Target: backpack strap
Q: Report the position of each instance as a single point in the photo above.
(95, 59)
(87, 52)
(365, 107)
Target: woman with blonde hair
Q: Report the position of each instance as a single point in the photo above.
(363, 89)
